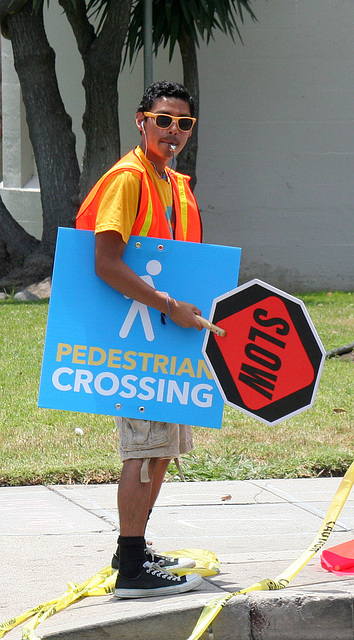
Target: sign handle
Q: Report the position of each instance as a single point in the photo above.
(212, 327)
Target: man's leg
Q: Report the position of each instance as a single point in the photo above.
(133, 508)
(136, 498)
(133, 499)
(158, 468)
(131, 519)
(138, 576)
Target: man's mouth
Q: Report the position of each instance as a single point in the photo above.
(171, 143)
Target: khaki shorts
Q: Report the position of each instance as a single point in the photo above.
(146, 439)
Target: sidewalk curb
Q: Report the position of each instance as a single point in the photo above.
(302, 616)
(254, 616)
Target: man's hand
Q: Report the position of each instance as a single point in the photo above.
(184, 314)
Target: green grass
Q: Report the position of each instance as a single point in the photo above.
(40, 445)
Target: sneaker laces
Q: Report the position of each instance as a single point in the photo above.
(157, 570)
(160, 562)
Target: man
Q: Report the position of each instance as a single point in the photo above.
(141, 195)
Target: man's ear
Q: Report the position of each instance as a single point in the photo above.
(139, 121)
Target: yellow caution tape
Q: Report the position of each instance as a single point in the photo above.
(206, 562)
(214, 607)
(102, 583)
(93, 586)
(14, 622)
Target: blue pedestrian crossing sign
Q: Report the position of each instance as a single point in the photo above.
(107, 354)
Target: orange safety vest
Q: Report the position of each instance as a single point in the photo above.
(151, 219)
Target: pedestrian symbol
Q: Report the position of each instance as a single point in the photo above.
(153, 268)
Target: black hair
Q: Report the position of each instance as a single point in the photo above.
(165, 89)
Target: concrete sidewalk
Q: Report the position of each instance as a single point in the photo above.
(53, 535)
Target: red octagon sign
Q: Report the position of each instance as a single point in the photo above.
(269, 363)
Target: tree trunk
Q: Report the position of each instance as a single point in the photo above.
(15, 244)
(102, 62)
(49, 125)
(100, 122)
(187, 159)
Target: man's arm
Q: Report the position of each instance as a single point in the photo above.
(110, 267)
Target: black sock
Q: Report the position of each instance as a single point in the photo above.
(117, 549)
(147, 519)
(118, 539)
(131, 555)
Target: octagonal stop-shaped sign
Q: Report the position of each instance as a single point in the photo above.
(269, 363)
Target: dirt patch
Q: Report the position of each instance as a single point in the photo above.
(348, 356)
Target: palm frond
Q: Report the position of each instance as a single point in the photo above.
(171, 18)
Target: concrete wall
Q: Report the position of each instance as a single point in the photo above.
(276, 155)
(276, 168)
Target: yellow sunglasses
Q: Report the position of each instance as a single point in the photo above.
(164, 121)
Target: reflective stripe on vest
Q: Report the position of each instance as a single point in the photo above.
(149, 209)
(183, 203)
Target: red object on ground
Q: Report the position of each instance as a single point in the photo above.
(339, 559)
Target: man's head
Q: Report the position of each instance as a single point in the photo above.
(165, 119)
(165, 89)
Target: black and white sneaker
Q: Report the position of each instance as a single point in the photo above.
(166, 562)
(155, 581)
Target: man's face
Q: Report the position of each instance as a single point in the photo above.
(159, 140)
